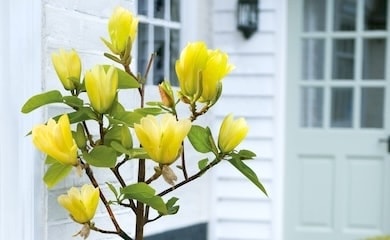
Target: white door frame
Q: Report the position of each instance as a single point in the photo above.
(21, 195)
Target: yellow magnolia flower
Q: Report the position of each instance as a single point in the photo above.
(217, 67)
(189, 66)
(231, 133)
(162, 139)
(122, 25)
(55, 139)
(101, 87)
(81, 203)
(67, 65)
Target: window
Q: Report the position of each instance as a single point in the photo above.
(159, 33)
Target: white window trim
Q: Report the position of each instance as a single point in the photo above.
(20, 179)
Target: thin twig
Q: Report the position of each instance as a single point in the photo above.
(123, 184)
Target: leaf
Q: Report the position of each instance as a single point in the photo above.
(55, 173)
(42, 99)
(125, 80)
(201, 139)
(144, 193)
(113, 189)
(247, 172)
(127, 118)
(148, 111)
(101, 156)
(73, 101)
(49, 160)
(203, 163)
(172, 209)
(246, 154)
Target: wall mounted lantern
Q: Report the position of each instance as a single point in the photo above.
(247, 17)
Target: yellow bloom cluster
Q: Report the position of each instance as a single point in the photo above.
(68, 66)
(200, 71)
(55, 139)
(81, 203)
(162, 139)
(231, 133)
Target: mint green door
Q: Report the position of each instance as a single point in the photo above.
(337, 183)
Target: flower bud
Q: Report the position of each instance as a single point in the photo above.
(162, 139)
(68, 67)
(55, 139)
(122, 27)
(189, 68)
(231, 133)
(216, 69)
(166, 94)
(81, 203)
(101, 87)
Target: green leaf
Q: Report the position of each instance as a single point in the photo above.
(203, 163)
(55, 173)
(246, 154)
(42, 99)
(201, 139)
(172, 209)
(82, 114)
(101, 156)
(125, 80)
(127, 118)
(247, 172)
(144, 193)
(148, 111)
(73, 101)
(120, 134)
(113, 189)
(79, 136)
(49, 160)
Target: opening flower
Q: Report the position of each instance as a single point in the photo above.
(189, 66)
(122, 27)
(55, 139)
(231, 133)
(81, 203)
(101, 87)
(68, 66)
(162, 139)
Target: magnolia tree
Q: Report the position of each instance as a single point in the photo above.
(68, 142)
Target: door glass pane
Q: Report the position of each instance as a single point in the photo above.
(375, 14)
(372, 106)
(374, 51)
(174, 36)
(159, 50)
(143, 54)
(315, 13)
(344, 15)
(175, 10)
(343, 59)
(313, 59)
(341, 107)
(159, 9)
(312, 101)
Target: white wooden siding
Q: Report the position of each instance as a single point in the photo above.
(242, 212)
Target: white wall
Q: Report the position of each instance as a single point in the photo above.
(254, 90)
(19, 78)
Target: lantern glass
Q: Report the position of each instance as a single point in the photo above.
(247, 17)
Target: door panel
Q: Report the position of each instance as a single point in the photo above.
(337, 166)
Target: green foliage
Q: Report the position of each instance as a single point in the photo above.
(247, 172)
(55, 173)
(101, 156)
(144, 193)
(42, 99)
(202, 139)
